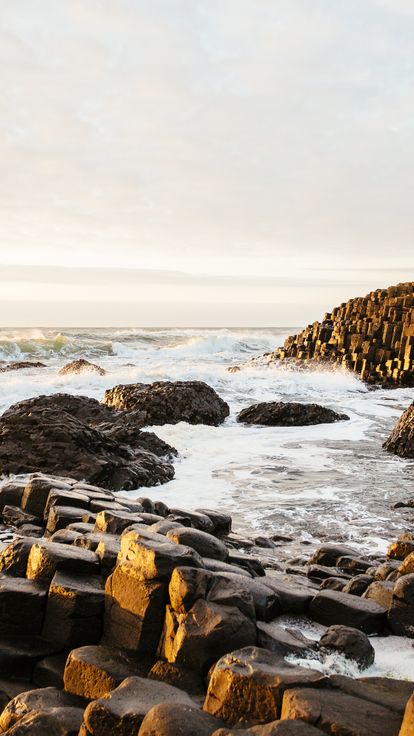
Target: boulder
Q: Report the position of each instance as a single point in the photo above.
(18, 365)
(42, 701)
(55, 722)
(170, 719)
(246, 686)
(81, 366)
(401, 440)
(196, 519)
(93, 671)
(407, 565)
(19, 656)
(14, 557)
(339, 713)
(267, 602)
(329, 554)
(401, 618)
(198, 638)
(389, 693)
(49, 671)
(205, 544)
(288, 414)
(352, 643)
(333, 607)
(284, 642)
(221, 521)
(11, 494)
(168, 402)
(381, 592)
(122, 711)
(275, 728)
(401, 548)
(358, 584)
(62, 434)
(190, 681)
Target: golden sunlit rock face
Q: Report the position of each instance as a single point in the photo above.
(371, 335)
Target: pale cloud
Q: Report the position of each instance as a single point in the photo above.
(196, 136)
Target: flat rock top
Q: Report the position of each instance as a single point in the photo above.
(286, 414)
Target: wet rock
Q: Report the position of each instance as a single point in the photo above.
(74, 610)
(61, 434)
(401, 618)
(205, 544)
(124, 709)
(47, 557)
(331, 607)
(284, 642)
(39, 702)
(352, 643)
(335, 712)
(19, 365)
(134, 609)
(93, 671)
(170, 719)
(221, 521)
(401, 440)
(335, 584)
(197, 519)
(248, 562)
(329, 554)
(198, 638)
(353, 565)
(167, 402)
(247, 686)
(288, 414)
(358, 584)
(81, 366)
(321, 572)
(293, 598)
(22, 604)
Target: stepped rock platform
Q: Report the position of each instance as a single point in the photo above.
(372, 335)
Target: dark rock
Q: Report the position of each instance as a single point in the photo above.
(114, 522)
(390, 693)
(74, 610)
(188, 680)
(246, 686)
(14, 557)
(197, 519)
(93, 671)
(329, 554)
(333, 607)
(358, 584)
(205, 544)
(353, 565)
(401, 618)
(321, 572)
(60, 434)
(11, 494)
(284, 642)
(61, 516)
(19, 365)
(221, 521)
(19, 655)
(166, 402)
(333, 584)
(49, 671)
(14, 516)
(293, 598)
(288, 414)
(404, 589)
(352, 643)
(22, 604)
(198, 638)
(170, 719)
(124, 709)
(248, 562)
(81, 366)
(401, 439)
(339, 713)
(275, 728)
(267, 602)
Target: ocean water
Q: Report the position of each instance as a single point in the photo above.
(312, 484)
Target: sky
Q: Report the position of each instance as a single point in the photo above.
(203, 162)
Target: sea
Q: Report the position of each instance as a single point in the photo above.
(331, 482)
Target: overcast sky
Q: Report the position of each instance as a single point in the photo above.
(210, 162)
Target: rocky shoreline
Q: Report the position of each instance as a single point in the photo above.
(372, 336)
(127, 617)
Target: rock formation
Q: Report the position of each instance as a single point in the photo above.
(19, 365)
(401, 439)
(112, 616)
(170, 402)
(371, 335)
(81, 366)
(61, 432)
(288, 414)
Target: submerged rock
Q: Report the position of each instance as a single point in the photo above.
(81, 366)
(61, 434)
(288, 414)
(401, 439)
(20, 364)
(170, 402)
